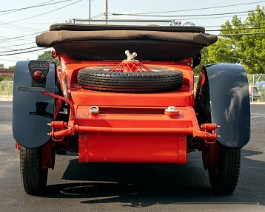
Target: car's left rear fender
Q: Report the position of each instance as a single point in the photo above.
(32, 111)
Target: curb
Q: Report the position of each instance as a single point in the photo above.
(257, 103)
(6, 98)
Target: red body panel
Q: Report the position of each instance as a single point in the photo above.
(131, 118)
(130, 127)
(132, 148)
(134, 145)
(182, 97)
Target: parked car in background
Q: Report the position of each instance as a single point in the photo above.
(254, 93)
(260, 85)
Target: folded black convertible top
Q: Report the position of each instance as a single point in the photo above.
(108, 42)
(91, 27)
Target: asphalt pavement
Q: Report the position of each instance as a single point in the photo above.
(74, 186)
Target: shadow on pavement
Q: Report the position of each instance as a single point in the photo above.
(142, 185)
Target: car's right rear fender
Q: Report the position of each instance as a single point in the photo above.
(223, 98)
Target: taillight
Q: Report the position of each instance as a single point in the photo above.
(38, 71)
(38, 76)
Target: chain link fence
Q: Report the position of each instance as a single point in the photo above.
(256, 87)
(6, 88)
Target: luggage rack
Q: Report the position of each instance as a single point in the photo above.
(155, 21)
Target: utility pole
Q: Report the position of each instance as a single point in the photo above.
(89, 17)
(106, 11)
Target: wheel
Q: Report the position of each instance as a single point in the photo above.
(156, 81)
(224, 176)
(34, 177)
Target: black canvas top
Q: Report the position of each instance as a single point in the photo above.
(108, 42)
(93, 27)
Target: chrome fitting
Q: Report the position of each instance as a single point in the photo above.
(172, 112)
(130, 56)
(171, 109)
(93, 110)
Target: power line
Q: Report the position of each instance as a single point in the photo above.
(22, 8)
(241, 34)
(7, 60)
(98, 15)
(22, 44)
(22, 36)
(192, 15)
(198, 9)
(181, 19)
(18, 27)
(42, 13)
(5, 12)
(6, 40)
(235, 29)
(202, 18)
(1, 55)
(15, 50)
(202, 8)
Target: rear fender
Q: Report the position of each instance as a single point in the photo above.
(32, 111)
(223, 98)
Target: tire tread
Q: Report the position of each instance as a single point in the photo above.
(227, 179)
(98, 79)
(34, 178)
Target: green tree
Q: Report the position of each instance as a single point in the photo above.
(242, 42)
(204, 60)
(47, 55)
(11, 67)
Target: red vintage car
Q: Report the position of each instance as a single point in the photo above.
(126, 94)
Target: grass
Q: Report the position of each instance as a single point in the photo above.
(6, 88)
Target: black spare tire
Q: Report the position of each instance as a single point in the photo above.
(161, 79)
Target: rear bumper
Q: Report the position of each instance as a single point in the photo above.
(132, 134)
(129, 136)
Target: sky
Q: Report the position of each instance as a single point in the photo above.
(21, 21)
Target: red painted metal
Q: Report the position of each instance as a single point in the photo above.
(130, 127)
(48, 155)
(134, 148)
(182, 97)
(58, 106)
(130, 66)
(71, 130)
(211, 156)
(61, 98)
(145, 127)
(17, 146)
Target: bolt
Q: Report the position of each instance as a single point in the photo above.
(171, 109)
(93, 110)
(171, 112)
